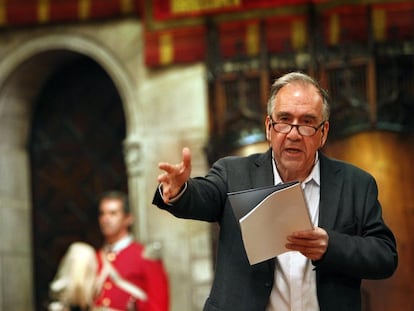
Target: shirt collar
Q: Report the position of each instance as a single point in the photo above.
(315, 173)
(120, 245)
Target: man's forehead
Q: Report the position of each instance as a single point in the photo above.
(111, 203)
(305, 115)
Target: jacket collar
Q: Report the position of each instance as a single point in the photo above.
(263, 176)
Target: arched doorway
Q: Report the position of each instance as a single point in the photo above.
(75, 149)
(23, 73)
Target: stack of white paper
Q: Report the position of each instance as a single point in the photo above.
(267, 216)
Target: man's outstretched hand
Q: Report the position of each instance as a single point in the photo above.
(175, 175)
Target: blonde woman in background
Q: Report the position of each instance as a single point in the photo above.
(74, 284)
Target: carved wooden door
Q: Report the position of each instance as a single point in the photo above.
(76, 153)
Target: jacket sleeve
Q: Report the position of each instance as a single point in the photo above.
(361, 245)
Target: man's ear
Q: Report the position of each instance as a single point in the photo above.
(130, 220)
(268, 128)
(324, 136)
(322, 139)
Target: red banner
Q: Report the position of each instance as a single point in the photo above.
(173, 9)
(184, 45)
(286, 33)
(175, 30)
(240, 38)
(29, 12)
(393, 21)
(345, 24)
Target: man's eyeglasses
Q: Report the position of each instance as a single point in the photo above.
(304, 130)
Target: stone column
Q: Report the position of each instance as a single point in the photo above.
(134, 161)
(16, 276)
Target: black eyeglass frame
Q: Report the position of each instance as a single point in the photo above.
(298, 127)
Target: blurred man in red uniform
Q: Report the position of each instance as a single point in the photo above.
(130, 275)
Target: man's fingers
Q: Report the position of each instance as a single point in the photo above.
(167, 167)
(311, 252)
(162, 178)
(186, 157)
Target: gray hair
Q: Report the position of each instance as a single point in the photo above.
(298, 77)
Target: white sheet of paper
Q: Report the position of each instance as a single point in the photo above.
(265, 228)
(242, 202)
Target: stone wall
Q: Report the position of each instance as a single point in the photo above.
(165, 110)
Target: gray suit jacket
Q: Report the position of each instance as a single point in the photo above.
(360, 245)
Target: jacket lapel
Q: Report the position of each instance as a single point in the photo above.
(263, 175)
(331, 185)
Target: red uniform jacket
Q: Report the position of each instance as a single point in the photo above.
(148, 274)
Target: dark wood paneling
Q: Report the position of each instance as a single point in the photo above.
(389, 157)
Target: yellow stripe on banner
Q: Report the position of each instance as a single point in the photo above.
(252, 39)
(43, 11)
(3, 18)
(185, 6)
(127, 6)
(334, 29)
(84, 8)
(379, 20)
(299, 36)
(166, 49)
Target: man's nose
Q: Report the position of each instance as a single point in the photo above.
(294, 130)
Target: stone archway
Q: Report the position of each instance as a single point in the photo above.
(22, 73)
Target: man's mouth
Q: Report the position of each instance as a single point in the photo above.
(293, 150)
